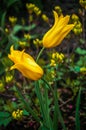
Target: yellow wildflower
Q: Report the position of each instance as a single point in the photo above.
(58, 9)
(83, 70)
(83, 3)
(53, 63)
(30, 7)
(74, 17)
(45, 18)
(7, 30)
(22, 43)
(58, 32)
(37, 11)
(56, 58)
(12, 19)
(8, 77)
(25, 64)
(37, 41)
(77, 28)
(17, 114)
(53, 74)
(27, 36)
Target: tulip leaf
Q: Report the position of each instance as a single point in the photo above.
(77, 115)
(43, 128)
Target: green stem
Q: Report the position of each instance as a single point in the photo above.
(39, 54)
(57, 110)
(43, 102)
(27, 105)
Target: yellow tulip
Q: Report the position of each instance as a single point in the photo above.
(25, 64)
(58, 31)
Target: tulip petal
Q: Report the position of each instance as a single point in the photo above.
(58, 31)
(28, 72)
(25, 64)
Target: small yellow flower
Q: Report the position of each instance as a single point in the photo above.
(37, 42)
(74, 17)
(54, 55)
(30, 7)
(83, 3)
(22, 43)
(7, 30)
(25, 64)
(12, 19)
(17, 114)
(58, 9)
(37, 11)
(27, 36)
(83, 70)
(45, 18)
(56, 58)
(53, 63)
(8, 77)
(53, 74)
(77, 28)
(59, 57)
(58, 32)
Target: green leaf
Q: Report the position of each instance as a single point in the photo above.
(77, 115)
(5, 118)
(26, 113)
(77, 69)
(18, 28)
(80, 51)
(5, 121)
(4, 114)
(3, 19)
(26, 104)
(11, 2)
(2, 70)
(43, 128)
(30, 27)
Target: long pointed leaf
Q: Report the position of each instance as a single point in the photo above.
(77, 115)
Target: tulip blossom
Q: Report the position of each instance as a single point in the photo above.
(25, 64)
(58, 32)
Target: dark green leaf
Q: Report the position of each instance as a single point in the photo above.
(4, 114)
(5, 121)
(11, 2)
(77, 114)
(3, 20)
(26, 113)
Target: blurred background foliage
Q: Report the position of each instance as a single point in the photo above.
(24, 28)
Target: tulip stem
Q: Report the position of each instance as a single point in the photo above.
(39, 54)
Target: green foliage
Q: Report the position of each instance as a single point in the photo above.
(5, 118)
(77, 115)
(80, 51)
(46, 96)
(37, 3)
